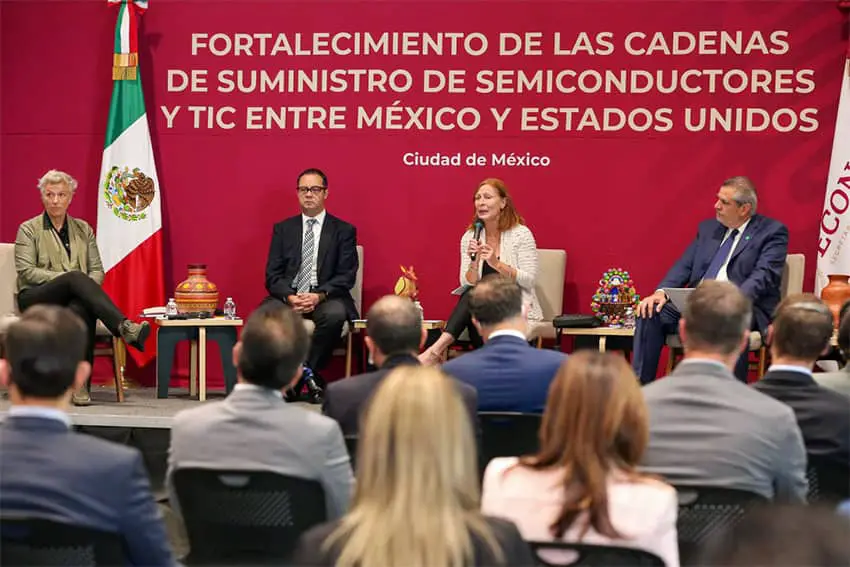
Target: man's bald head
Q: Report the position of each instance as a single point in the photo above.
(395, 325)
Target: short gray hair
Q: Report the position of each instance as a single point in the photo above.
(56, 177)
(716, 317)
(745, 191)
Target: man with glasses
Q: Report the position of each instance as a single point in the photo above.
(58, 263)
(312, 266)
(738, 246)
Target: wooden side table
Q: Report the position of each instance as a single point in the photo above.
(172, 331)
(601, 332)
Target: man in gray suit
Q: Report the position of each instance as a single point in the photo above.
(708, 429)
(253, 428)
(49, 472)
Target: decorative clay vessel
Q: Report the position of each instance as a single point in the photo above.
(196, 293)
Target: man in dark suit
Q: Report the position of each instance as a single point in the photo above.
(49, 472)
(394, 335)
(508, 373)
(738, 246)
(799, 335)
(708, 429)
(312, 266)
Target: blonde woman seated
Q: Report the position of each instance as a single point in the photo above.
(501, 245)
(416, 500)
(583, 486)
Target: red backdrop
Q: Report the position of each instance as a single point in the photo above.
(622, 198)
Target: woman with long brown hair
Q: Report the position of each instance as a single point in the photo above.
(416, 499)
(583, 484)
(496, 242)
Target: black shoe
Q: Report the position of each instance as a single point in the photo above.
(290, 395)
(314, 393)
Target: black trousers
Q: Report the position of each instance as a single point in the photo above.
(83, 296)
(461, 319)
(328, 318)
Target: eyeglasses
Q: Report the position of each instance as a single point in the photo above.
(315, 189)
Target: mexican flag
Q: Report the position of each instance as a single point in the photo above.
(129, 215)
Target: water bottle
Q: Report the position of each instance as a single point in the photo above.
(629, 321)
(229, 309)
(171, 308)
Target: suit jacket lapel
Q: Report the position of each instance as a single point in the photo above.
(328, 229)
(76, 241)
(745, 238)
(56, 251)
(714, 245)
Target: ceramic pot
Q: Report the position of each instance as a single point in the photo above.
(196, 293)
(836, 292)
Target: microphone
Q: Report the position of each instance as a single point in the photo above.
(479, 226)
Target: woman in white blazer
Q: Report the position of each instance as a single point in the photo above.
(501, 244)
(583, 485)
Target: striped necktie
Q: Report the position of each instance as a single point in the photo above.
(306, 270)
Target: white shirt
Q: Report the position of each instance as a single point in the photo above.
(255, 388)
(791, 368)
(506, 333)
(317, 232)
(721, 274)
(42, 412)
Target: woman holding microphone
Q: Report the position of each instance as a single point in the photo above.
(496, 242)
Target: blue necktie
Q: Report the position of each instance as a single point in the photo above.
(306, 271)
(720, 256)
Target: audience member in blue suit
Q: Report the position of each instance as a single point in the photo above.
(49, 472)
(509, 374)
(738, 246)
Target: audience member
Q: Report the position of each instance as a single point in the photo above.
(253, 428)
(46, 470)
(416, 502)
(708, 429)
(782, 536)
(394, 335)
(508, 373)
(800, 333)
(583, 485)
(840, 379)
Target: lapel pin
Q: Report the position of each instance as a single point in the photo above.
(747, 237)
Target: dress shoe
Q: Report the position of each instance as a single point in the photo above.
(314, 392)
(81, 397)
(135, 334)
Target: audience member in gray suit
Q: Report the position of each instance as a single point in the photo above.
(708, 429)
(394, 335)
(46, 470)
(253, 428)
(839, 381)
(799, 335)
(508, 373)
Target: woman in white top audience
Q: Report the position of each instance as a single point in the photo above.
(583, 486)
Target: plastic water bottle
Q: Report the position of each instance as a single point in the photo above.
(229, 309)
(629, 321)
(171, 308)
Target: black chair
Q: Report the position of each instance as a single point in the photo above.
(30, 541)
(508, 434)
(601, 555)
(351, 446)
(245, 517)
(705, 511)
(828, 482)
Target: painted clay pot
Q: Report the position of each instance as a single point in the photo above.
(836, 292)
(196, 293)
